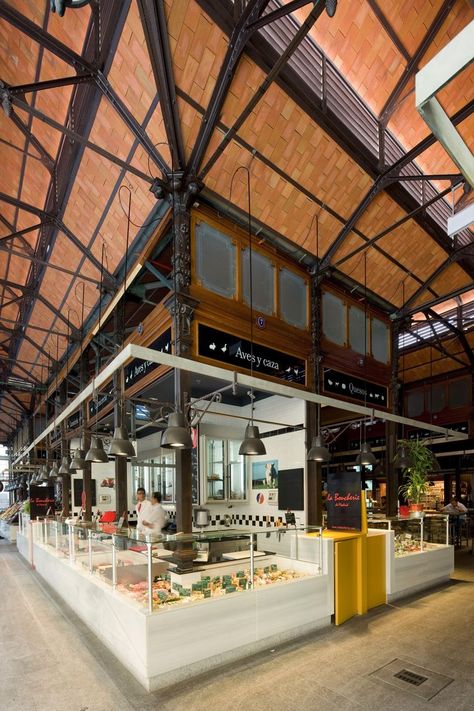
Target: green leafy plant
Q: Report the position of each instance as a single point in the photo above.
(26, 506)
(422, 461)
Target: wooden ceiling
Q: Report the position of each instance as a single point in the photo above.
(303, 160)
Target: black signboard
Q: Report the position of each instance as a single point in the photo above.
(74, 420)
(138, 368)
(291, 489)
(237, 352)
(343, 502)
(355, 388)
(104, 399)
(55, 435)
(41, 499)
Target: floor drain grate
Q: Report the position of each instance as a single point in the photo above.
(410, 677)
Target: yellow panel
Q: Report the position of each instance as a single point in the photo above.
(346, 568)
(376, 590)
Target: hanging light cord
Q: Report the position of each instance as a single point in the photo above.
(365, 341)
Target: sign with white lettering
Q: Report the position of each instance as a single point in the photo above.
(74, 421)
(104, 398)
(138, 368)
(343, 503)
(354, 388)
(238, 352)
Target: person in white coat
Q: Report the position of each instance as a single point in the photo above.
(143, 510)
(157, 516)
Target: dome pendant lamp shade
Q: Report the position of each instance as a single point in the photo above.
(121, 445)
(252, 444)
(365, 456)
(64, 468)
(96, 452)
(78, 461)
(53, 473)
(403, 458)
(177, 435)
(318, 452)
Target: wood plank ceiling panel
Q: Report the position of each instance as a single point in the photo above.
(32, 9)
(410, 19)
(71, 28)
(454, 277)
(360, 48)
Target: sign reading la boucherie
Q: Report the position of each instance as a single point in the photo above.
(240, 353)
(354, 388)
(41, 500)
(343, 503)
(138, 368)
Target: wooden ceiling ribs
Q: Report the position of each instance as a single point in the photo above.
(459, 333)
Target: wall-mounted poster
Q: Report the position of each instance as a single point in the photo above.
(265, 474)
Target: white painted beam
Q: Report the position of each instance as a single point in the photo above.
(461, 220)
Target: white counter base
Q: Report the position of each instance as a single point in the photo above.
(8, 531)
(412, 573)
(168, 646)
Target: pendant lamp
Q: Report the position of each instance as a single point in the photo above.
(121, 445)
(403, 460)
(53, 473)
(96, 451)
(78, 460)
(318, 452)
(64, 468)
(252, 444)
(365, 457)
(177, 435)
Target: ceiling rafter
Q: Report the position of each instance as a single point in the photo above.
(438, 346)
(56, 267)
(23, 241)
(299, 36)
(458, 332)
(152, 14)
(415, 60)
(378, 12)
(45, 157)
(52, 219)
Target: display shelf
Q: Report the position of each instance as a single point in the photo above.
(281, 598)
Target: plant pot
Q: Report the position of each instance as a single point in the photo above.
(416, 510)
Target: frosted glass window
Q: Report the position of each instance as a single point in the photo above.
(436, 397)
(380, 340)
(415, 403)
(334, 318)
(460, 393)
(215, 260)
(293, 299)
(357, 330)
(263, 277)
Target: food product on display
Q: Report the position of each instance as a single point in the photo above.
(11, 512)
(406, 544)
(167, 594)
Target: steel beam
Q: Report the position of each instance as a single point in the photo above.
(74, 136)
(21, 89)
(269, 79)
(25, 231)
(412, 65)
(459, 333)
(276, 14)
(458, 254)
(237, 42)
(18, 402)
(37, 34)
(438, 347)
(56, 267)
(45, 156)
(396, 225)
(152, 14)
(161, 277)
(389, 29)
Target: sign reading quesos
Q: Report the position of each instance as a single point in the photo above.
(238, 352)
(354, 388)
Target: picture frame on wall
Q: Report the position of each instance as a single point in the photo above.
(265, 474)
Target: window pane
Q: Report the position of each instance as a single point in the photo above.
(460, 393)
(415, 403)
(215, 260)
(436, 397)
(293, 299)
(380, 340)
(215, 469)
(356, 329)
(238, 478)
(334, 318)
(263, 277)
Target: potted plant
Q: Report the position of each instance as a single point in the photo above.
(415, 484)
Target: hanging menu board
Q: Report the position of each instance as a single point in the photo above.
(240, 353)
(354, 388)
(41, 499)
(343, 502)
(138, 368)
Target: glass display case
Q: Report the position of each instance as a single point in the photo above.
(415, 535)
(144, 569)
(224, 470)
(157, 474)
